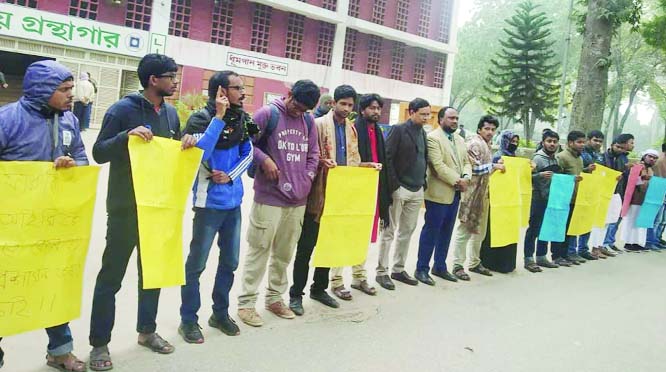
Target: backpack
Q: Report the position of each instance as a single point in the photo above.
(270, 127)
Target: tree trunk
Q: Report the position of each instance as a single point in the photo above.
(625, 116)
(592, 83)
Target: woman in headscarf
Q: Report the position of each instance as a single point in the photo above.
(501, 259)
(508, 145)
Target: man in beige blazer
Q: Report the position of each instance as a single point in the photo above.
(449, 172)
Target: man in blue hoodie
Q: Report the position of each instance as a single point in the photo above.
(41, 127)
(224, 128)
(143, 114)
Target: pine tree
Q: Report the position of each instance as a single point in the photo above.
(522, 82)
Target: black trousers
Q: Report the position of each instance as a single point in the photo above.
(306, 244)
(122, 235)
(499, 259)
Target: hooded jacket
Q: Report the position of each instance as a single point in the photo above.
(295, 151)
(27, 126)
(111, 146)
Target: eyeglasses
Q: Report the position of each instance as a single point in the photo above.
(168, 76)
(237, 87)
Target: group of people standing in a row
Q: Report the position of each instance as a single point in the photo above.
(288, 153)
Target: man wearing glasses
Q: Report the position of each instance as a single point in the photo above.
(143, 114)
(406, 159)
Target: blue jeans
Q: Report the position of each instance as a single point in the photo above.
(436, 233)
(537, 211)
(60, 340)
(226, 224)
(581, 241)
(610, 233)
(122, 235)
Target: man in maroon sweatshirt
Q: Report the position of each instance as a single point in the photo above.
(286, 159)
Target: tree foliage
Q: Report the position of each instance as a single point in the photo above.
(654, 31)
(522, 82)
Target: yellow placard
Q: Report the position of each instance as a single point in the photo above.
(509, 206)
(585, 206)
(607, 181)
(346, 224)
(162, 175)
(45, 225)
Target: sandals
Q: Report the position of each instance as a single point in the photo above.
(70, 363)
(460, 273)
(364, 287)
(479, 269)
(342, 293)
(532, 267)
(157, 344)
(100, 359)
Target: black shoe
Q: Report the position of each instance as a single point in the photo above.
(227, 326)
(616, 249)
(385, 282)
(423, 277)
(403, 277)
(588, 256)
(325, 299)
(444, 275)
(296, 305)
(631, 248)
(191, 333)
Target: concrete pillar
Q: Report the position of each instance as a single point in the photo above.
(450, 60)
(159, 26)
(334, 78)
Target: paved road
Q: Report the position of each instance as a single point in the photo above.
(602, 316)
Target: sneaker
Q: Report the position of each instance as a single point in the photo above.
(250, 317)
(191, 333)
(596, 252)
(577, 258)
(588, 256)
(228, 326)
(280, 309)
(631, 248)
(547, 264)
(607, 252)
(296, 305)
(563, 262)
(615, 249)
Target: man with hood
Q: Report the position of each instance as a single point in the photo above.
(286, 156)
(143, 114)
(545, 165)
(508, 145)
(634, 237)
(218, 193)
(326, 103)
(83, 98)
(41, 127)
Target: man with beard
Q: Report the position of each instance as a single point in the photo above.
(475, 202)
(635, 237)
(545, 165)
(371, 150)
(218, 193)
(592, 154)
(571, 162)
(406, 163)
(617, 158)
(143, 114)
(338, 145)
(40, 127)
(449, 173)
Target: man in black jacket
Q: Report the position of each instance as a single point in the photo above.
(144, 114)
(406, 159)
